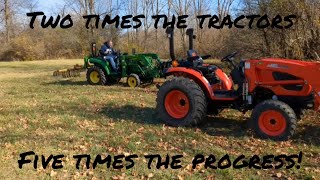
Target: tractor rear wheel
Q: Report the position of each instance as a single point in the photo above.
(96, 76)
(181, 102)
(133, 80)
(274, 120)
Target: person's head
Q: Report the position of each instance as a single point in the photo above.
(109, 43)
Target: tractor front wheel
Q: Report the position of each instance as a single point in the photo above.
(181, 102)
(133, 80)
(273, 120)
(96, 76)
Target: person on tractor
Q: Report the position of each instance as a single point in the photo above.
(109, 54)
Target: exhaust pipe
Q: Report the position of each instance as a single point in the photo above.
(170, 33)
(190, 33)
(94, 49)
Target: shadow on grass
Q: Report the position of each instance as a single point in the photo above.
(214, 126)
(220, 126)
(123, 83)
(68, 83)
(81, 83)
(308, 134)
(143, 115)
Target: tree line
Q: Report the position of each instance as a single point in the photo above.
(300, 41)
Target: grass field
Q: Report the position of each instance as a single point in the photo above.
(49, 115)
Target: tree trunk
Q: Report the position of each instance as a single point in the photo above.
(91, 10)
(7, 19)
(157, 9)
(135, 14)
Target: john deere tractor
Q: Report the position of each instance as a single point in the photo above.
(138, 68)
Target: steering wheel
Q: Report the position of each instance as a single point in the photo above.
(117, 54)
(229, 58)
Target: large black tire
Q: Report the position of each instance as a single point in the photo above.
(102, 80)
(300, 113)
(195, 98)
(275, 120)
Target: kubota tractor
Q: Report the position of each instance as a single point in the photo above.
(277, 90)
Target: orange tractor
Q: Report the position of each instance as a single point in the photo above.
(276, 90)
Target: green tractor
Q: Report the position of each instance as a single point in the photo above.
(138, 68)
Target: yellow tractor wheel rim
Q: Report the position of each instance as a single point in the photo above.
(94, 77)
(132, 82)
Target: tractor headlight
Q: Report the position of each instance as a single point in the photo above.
(247, 65)
(175, 63)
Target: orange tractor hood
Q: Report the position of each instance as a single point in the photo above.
(291, 61)
(308, 72)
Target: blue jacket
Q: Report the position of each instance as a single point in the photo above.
(107, 51)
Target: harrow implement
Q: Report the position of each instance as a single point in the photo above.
(72, 72)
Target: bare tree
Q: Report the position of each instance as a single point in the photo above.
(224, 8)
(200, 7)
(182, 7)
(7, 19)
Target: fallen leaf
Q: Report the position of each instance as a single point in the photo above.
(180, 177)
(150, 175)
(279, 175)
(53, 173)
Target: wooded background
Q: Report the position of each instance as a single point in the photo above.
(20, 42)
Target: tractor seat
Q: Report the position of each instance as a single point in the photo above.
(207, 69)
(99, 57)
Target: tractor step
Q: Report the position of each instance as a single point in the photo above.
(222, 94)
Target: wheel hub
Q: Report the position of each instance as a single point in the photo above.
(182, 102)
(177, 104)
(94, 77)
(132, 82)
(272, 123)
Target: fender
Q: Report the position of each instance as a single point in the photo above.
(226, 81)
(102, 64)
(194, 75)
